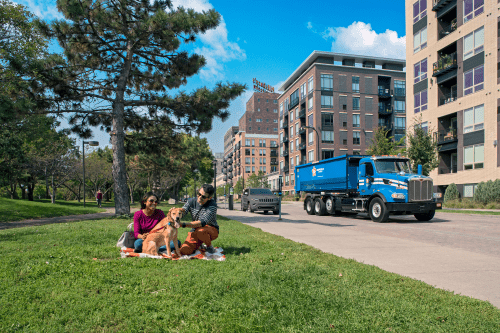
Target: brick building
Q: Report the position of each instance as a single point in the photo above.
(342, 98)
(455, 42)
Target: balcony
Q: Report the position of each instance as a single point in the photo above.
(443, 171)
(293, 103)
(445, 64)
(284, 153)
(285, 139)
(448, 29)
(302, 130)
(448, 98)
(274, 154)
(384, 92)
(385, 110)
(274, 162)
(302, 113)
(303, 161)
(302, 146)
(438, 4)
(446, 136)
(273, 145)
(284, 169)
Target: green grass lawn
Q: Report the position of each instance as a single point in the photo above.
(51, 282)
(16, 210)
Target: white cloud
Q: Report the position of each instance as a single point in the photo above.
(216, 48)
(43, 9)
(360, 38)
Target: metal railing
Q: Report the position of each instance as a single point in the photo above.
(445, 135)
(448, 170)
(448, 98)
(444, 63)
(448, 29)
(384, 92)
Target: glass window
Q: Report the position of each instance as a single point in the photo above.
(419, 71)
(355, 84)
(291, 131)
(326, 82)
(303, 91)
(419, 10)
(474, 157)
(474, 80)
(400, 106)
(291, 146)
(310, 103)
(472, 8)
(420, 100)
(474, 43)
(356, 138)
(420, 40)
(469, 190)
(311, 156)
(327, 154)
(474, 119)
(355, 120)
(297, 160)
(291, 116)
(327, 136)
(310, 84)
(400, 87)
(311, 137)
(326, 119)
(310, 119)
(326, 102)
(355, 103)
(400, 122)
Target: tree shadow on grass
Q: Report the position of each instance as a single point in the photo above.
(236, 251)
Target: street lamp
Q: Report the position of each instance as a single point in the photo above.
(90, 143)
(317, 140)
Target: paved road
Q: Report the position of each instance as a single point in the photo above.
(456, 252)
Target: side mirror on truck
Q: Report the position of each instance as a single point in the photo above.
(362, 170)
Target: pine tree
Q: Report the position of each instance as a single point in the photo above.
(122, 59)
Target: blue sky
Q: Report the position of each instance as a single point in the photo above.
(268, 40)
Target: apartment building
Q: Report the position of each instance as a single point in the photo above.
(455, 42)
(332, 104)
(253, 144)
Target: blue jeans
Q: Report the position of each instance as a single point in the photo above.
(138, 246)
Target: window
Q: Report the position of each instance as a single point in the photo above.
(355, 84)
(327, 154)
(303, 90)
(400, 106)
(425, 126)
(267, 109)
(291, 131)
(275, 101)
(291, 116)
(474, 119)
(275, 110)
(310, 103)
(292, 163)
(355, 120)
(310, 119)
(259, 120)
(258, 99)
(249, 119)
(355, 103)
(310, 85)
(327, 136)
(420, 101)
(291, 146)
(473, 80)
(311, 137)
(247, 142)
(400, 122)
(326, 102)
(420, 40)
(326, 82)
(469, 190)
(253, 160)
(297, 127)
(326, 119)
(253, 152)
(258, 109)
(420, 71)
(297, 160)
(253, 169)
(294, 98)
(253, 143)
(400, 87)
(297, 143)
(296, 113)
(419, 10)
(473, 157)
(472, 8)
(281, 109)
(247, 169)
(356, 138)
(247, 160)
(311, 155)
(275, 120)
(258, 128)
(275, 129)
(474, 43)
(267, 101)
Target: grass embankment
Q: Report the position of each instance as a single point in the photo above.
(16, 210)
(51, 282)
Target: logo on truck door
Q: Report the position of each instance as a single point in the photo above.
(314, 171)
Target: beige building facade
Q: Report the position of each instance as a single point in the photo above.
(453, 75)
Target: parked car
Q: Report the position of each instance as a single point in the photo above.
(254, 199)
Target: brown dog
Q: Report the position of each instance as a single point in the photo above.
(164, 232)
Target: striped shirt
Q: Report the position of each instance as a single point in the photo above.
(206, 214)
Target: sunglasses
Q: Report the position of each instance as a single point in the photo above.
(151, 200)
(202, 196)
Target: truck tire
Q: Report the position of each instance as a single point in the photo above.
(378, 211)
(310, 206)
(265, 212)
(425, 216)
(330, 205)
(319, 207)
(250, 208)
(243, 209)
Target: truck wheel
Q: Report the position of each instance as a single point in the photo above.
(330, 206)
(319, 207)
(265, 212)
(310, 206)
(243, 209)
(425, 216)
(250, 208)
(378, 211)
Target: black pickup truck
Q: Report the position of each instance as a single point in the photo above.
(263, 199)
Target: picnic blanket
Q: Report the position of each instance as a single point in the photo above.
(218, 255)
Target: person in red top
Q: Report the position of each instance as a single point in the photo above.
(99, 198)
(146, 219)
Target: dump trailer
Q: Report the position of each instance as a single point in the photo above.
(377, 185)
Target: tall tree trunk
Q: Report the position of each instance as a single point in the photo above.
(13, 191)
(23, 191)
(122, 205)
(31, 189)
(53, 197)
(47, 193)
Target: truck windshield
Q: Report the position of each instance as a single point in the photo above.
(392, 166)
(261, 191)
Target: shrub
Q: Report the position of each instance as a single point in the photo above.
(484, 192)
(451, 193)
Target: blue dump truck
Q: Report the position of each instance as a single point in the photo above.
(377, 185)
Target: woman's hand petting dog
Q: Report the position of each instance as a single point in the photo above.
(143, 236)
